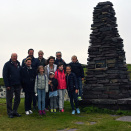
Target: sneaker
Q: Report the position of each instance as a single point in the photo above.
(54, 110)
(79, 98)
(46, 109)
(73, 112)
(78, 110)
(30, 111)
(40, 112)
(62, 110)
(51, 110)
(43, 112)
(27, 112)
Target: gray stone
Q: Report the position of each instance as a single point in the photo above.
(124, 118)
(79, 123)
(92, 123)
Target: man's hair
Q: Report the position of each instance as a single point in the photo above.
(40, 51)
(68, 66)
(58, 52)
(74, 56)
(28, 58)
(30, 50)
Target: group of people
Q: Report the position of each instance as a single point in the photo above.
(43, 81)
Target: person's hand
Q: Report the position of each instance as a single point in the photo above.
(8, 88)
(49, 82)
(82, 79)
(76, 91)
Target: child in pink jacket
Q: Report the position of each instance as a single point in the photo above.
(60, 76)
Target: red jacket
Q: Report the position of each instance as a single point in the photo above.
(60, 76)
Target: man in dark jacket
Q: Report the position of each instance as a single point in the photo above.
(59, 59)
(41, 59)
(34, 65)
(12, 80)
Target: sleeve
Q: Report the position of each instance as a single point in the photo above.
(6, 75)
(75, 81)
(45, 70)
(82, 71)
(23, 63)
(36, 84)
(47, 87)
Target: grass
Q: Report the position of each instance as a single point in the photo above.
(59, 121)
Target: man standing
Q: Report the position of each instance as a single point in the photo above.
(12, 80)
(59, 59)
(34, 65)
(42, 60)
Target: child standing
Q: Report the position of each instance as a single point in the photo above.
(79, 72)
(53, 83)
(60, 76)
(72, 89)
(41, 87)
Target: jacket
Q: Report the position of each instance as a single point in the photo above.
(60, 61)
(41, 82)
(42, 62)
(34, 62)
(54, 85)
(71, 82)
(77, 69)
(28, 79)
(47, 69)
(11, 74)
(60, 76)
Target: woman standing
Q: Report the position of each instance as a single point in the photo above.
(28, 81)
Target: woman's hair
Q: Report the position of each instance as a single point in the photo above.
(51, 57)
(28, 58)
(39, 68)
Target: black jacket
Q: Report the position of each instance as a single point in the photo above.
(77, 69)
(42, 62)
(71, 82)
(54, 85)
(28, 79)
(11, 74)
(60, 61)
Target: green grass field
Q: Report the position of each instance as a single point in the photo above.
(59, 121)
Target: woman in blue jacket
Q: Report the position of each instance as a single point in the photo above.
(28, 80)
(72, 89)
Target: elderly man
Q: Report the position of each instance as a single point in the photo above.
(42, 60)
(12, 80)
(59, 59)
(34, 65)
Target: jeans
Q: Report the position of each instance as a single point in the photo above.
(79, 81)
(9, 97)
(61, 93)
(73, 97)
(53, 102)
(41, 99)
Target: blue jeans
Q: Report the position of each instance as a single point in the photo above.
(79, 82)
(41, 99)
(73, 99)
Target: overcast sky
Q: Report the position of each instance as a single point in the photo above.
(54, 25)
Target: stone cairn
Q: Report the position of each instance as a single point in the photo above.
(107, 79)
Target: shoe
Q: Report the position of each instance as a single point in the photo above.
(17, 114)
(46, 109)
(30, 111)
(11, 116)
(27, 112)
(51, 110)
(43, 112)
(73, 112)
(79, 98)
(62, 110)
(40, 112)
(54, 110)
(77, 110)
